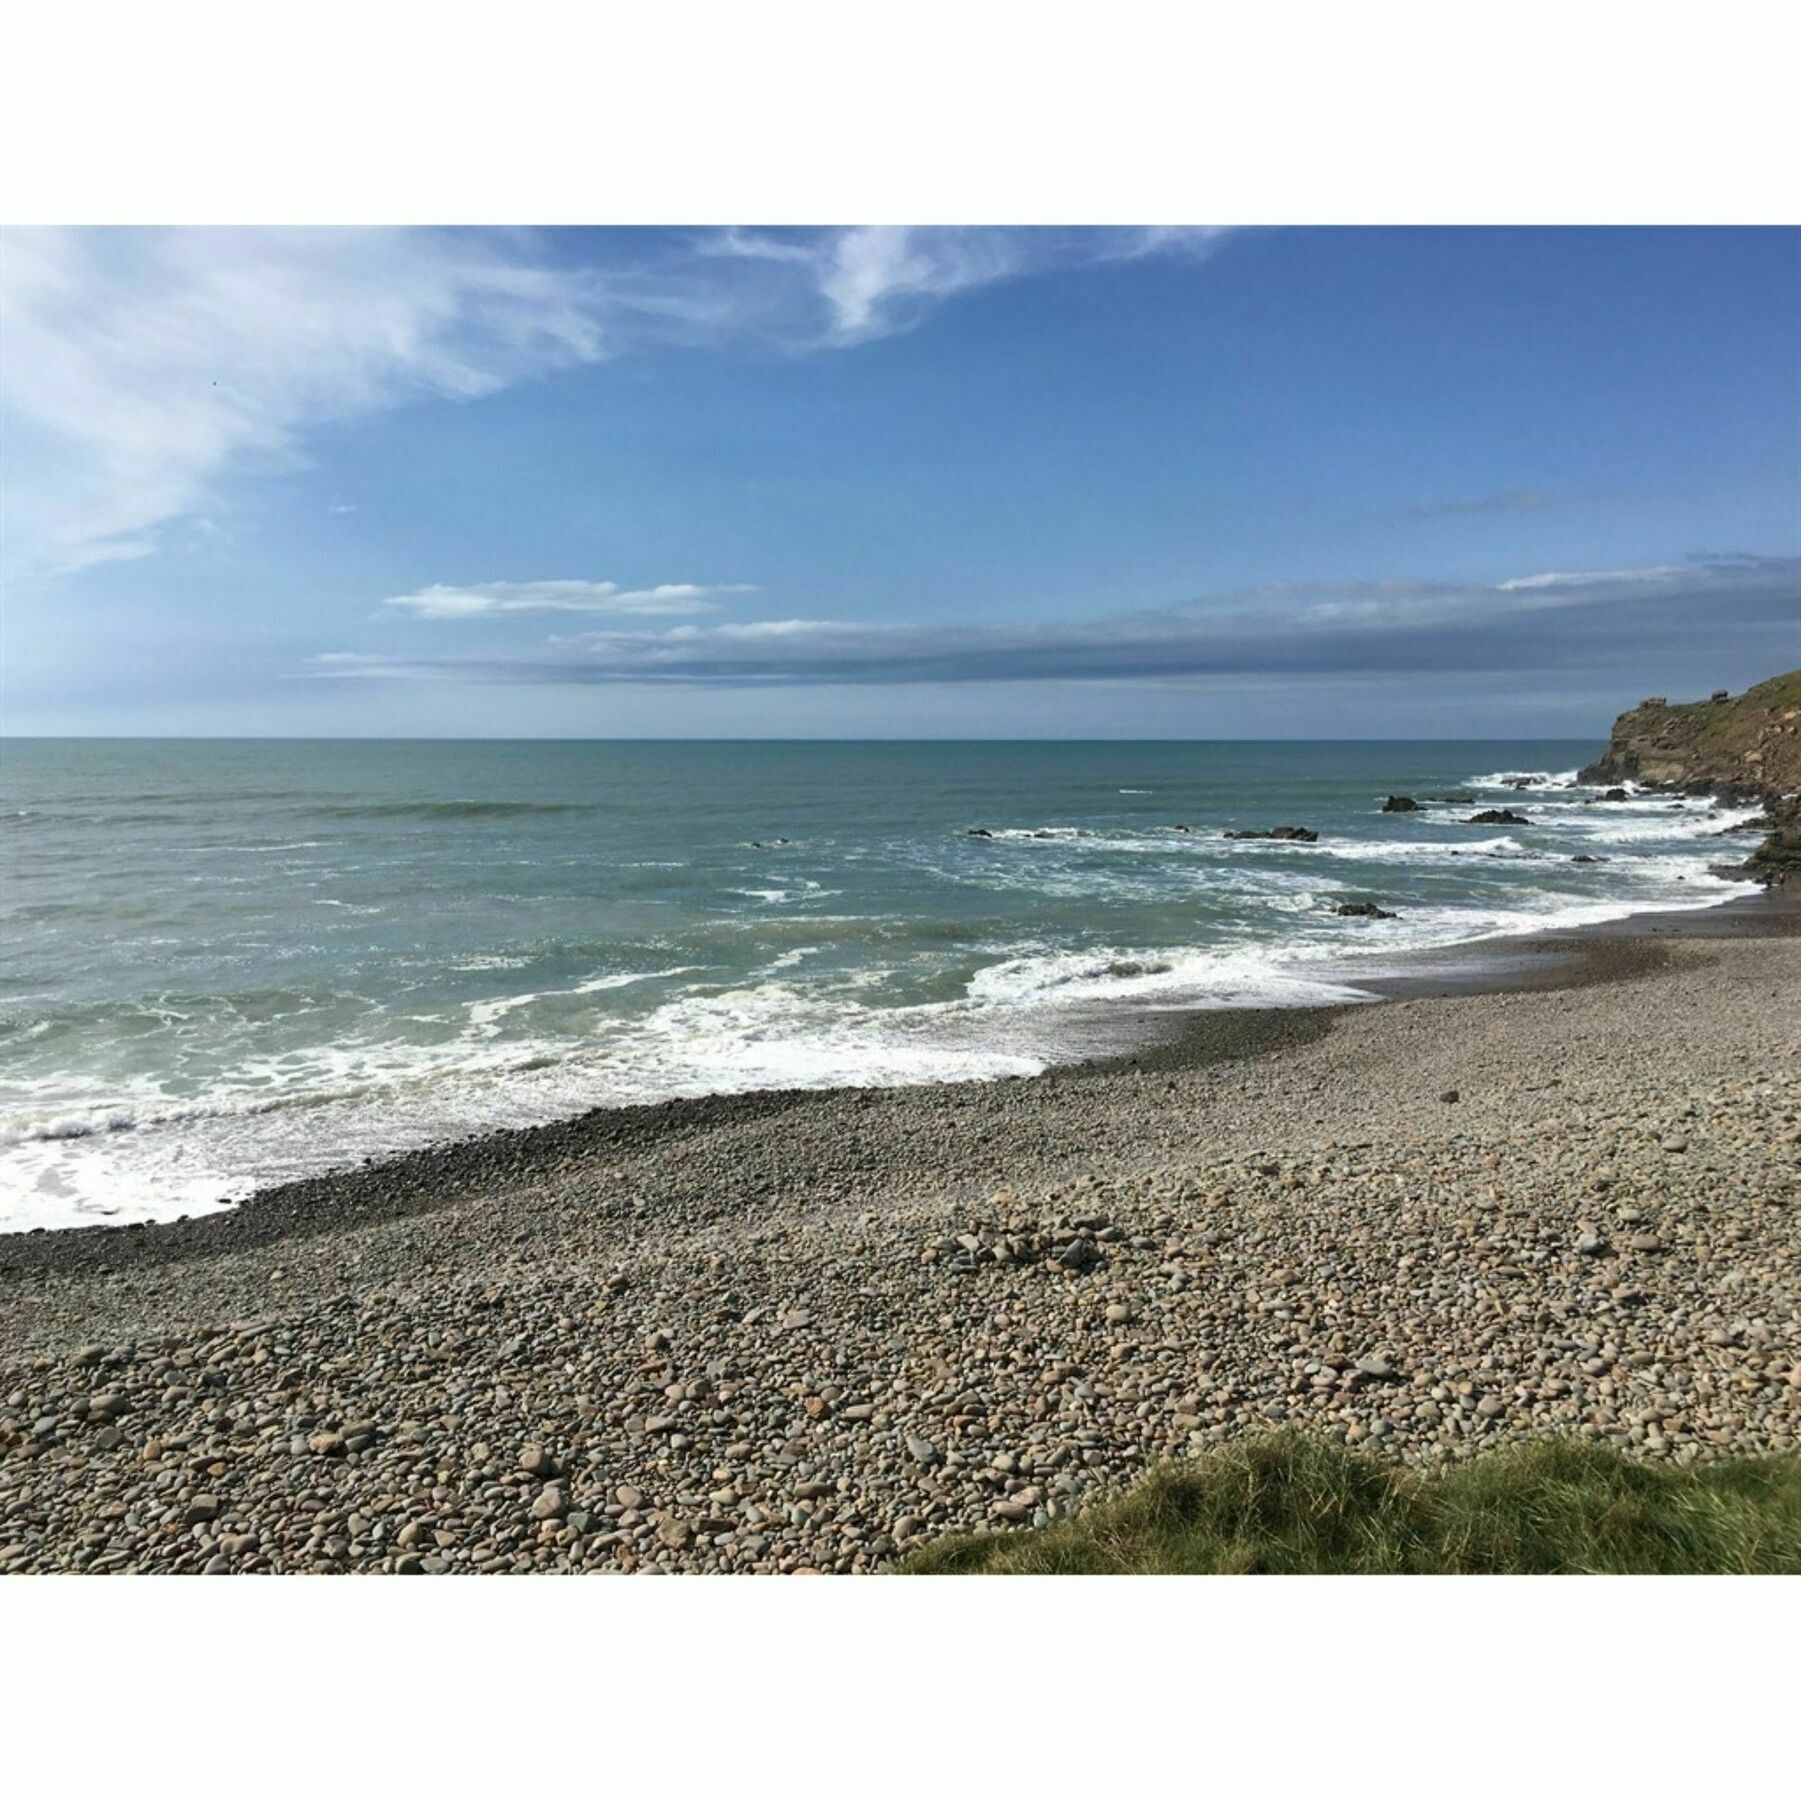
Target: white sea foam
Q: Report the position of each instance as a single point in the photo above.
(485, 1015)
(1251, 976)
(274, 1068)
(1535, 778)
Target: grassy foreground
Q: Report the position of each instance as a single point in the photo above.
(1290, 1505)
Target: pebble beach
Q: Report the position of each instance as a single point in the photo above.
(805, 1332)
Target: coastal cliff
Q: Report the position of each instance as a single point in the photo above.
(1753, 740)
(1748, 747)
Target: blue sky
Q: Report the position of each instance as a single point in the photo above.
(893, 483)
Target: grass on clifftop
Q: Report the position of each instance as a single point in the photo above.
(1289, 1505)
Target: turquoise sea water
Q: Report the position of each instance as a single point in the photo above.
(228, 963)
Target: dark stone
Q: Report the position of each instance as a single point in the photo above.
(980, 831)
(1294, 834)
(1498, 815)
(1400, 803)
(1079, 1255)
(1362, 909)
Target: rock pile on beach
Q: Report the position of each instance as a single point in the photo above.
(807, 1340)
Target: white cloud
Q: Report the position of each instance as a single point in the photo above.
(144, 367)
(1591, 578)
(140, 367)
(484, 599)
(875, 279)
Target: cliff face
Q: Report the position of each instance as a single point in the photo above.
(1754, 739)
(1749, 747)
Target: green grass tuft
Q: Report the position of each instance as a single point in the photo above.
(1292, 1505)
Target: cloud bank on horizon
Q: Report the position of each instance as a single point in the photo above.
(1567, 620)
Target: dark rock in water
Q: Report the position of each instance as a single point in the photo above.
(1738, 793)
(1182, 828)
(1362, 909)
(1400, 803)
(1293, 834)
(1588, 859)
(1518, 782)
(1498, 815)
(1616, 794)
(1777, 859)
(980, 831)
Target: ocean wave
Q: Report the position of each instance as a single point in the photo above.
(1620, 823)
(485, 1015)
(1534, 778)
(1248, 976)
(452, 809)
(1430, 853)
(951, 958)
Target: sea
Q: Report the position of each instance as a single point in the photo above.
(225, 964)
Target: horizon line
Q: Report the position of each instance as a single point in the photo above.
(91, 737)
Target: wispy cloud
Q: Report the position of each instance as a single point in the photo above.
(1476, 506)
(487, 598)
(144, 367)
(141, 367)
(1566, 623)
(875, 279)
(1663, 572)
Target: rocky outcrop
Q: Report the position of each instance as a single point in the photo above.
(1290, 834)
(1498, 815)
(1744, 751)
(1400, 803)
(1754, 740)
(1777, 860)
(1362, 909)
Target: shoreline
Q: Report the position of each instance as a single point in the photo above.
(1164, 1037)
(814, 1330)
